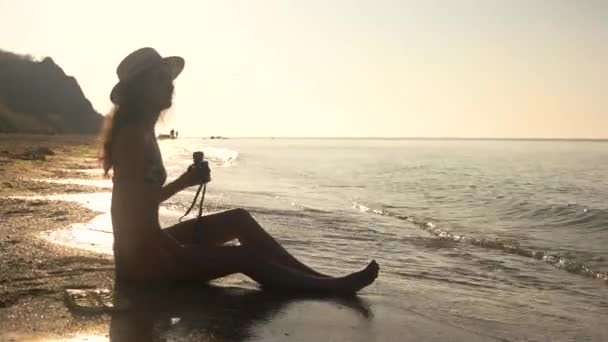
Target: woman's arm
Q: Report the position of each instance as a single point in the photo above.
(171, 189)
(194, 176)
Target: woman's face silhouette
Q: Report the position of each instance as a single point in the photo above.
(158, 88)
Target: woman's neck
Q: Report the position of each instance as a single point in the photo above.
(149, 116)
(142, 114)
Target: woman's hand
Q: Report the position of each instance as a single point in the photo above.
(195, 176)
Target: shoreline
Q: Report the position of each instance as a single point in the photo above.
(35, 272)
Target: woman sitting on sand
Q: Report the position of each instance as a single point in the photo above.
(194, 249)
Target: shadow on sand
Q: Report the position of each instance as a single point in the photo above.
(205, 312)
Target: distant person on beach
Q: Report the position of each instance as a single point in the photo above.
(193, 250)
(172, 134)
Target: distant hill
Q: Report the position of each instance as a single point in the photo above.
(38, 97)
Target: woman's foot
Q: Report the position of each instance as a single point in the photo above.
(356, 281)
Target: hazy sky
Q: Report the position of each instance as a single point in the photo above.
(511, 68)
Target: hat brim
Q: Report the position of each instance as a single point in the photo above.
(175, 65)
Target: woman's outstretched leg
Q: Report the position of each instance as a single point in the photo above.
(219, 228)
(217, 262)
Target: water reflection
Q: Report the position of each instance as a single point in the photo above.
(204, 312)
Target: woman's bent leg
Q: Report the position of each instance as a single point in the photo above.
(219, 228)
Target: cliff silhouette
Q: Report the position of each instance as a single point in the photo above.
(38, 97)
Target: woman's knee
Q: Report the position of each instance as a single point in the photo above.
(240, 222)
(240, 213)
(241, 217)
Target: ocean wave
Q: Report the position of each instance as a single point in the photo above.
(447, 280)
(573, 215)
(507, 246)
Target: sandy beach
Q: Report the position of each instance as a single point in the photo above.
(33, 272)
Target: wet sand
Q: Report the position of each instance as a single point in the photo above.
(35, 272)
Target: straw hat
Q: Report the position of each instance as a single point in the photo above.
(141, 60)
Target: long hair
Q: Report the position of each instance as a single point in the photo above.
(133, 108)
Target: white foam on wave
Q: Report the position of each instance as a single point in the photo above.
(220, 155)
(361, 207)
(507, 246)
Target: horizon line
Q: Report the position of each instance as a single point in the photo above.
(220, 137)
